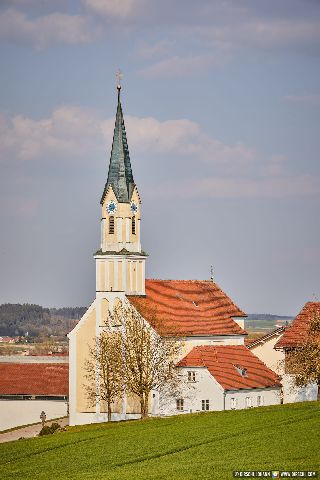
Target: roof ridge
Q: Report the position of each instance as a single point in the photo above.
(180, 280)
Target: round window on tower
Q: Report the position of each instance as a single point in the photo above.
(111, 207)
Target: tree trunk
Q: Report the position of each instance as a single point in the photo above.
(109, 412)
(144, 405)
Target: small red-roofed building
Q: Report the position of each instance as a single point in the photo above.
(224, 377)
(7, 339)
(30, 385)
(295, 335)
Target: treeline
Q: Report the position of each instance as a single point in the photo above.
(68, 312)
(35, 321)
(267, 317)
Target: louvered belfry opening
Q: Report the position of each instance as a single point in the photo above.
(111, 224)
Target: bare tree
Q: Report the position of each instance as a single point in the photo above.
(104, 370)
(304, 360)
(149, 360)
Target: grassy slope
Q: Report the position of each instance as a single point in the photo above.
(197, 446)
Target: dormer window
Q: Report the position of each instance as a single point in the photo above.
(133, 226)
(111, 224)
(243, 371)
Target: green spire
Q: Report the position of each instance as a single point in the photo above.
(120, 173)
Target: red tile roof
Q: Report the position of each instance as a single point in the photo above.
(296, 333)
(188, 307)
(34, 379)
(221, 361)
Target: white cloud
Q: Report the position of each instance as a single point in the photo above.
(275, 166)
(69, 131)
(307, 99)
(180, 137)
(181, 66)
(75, 131)
(259, 32)
(74, 134)
(156, 49)
(121, 9)
(237, 187)
(45, 30)
(217, 43)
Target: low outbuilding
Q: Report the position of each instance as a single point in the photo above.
(30, 385)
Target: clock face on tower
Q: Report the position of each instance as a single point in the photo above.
(134, 207)
(111, 207)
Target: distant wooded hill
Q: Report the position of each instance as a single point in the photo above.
(262, 322)
(17, 320)
(268, 316)
(37, 321)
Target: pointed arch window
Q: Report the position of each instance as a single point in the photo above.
(111, 224)
(133, 226)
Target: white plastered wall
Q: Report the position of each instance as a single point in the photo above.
(292, 394)
(14, 413)
(206, 387)
(75, 350)
(274, 359)
(268, 396)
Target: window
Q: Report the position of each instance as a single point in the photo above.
(205, 404)
(233, 403)
(259, 400)
(180, 404)
(191, 376)
(111, 224)
(248, 402)
(133, 226)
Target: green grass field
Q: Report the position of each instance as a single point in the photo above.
(196, 446)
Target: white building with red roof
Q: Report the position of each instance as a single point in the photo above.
(294, 336)
(30, 385)
(225, 377)
(197, 312)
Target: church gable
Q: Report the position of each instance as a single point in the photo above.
(188, 308)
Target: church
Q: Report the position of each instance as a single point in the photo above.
(220, 372)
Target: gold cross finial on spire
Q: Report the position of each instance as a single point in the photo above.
(119, 76)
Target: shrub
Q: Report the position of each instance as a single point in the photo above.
(54, 426)
(48, 430)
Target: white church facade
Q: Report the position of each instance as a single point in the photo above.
(220, 372)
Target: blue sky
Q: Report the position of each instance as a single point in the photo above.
(221, 102)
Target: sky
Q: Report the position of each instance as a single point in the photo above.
(221, 100)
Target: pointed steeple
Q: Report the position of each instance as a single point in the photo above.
(120, 173)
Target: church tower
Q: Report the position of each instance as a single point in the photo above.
(120, 262)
